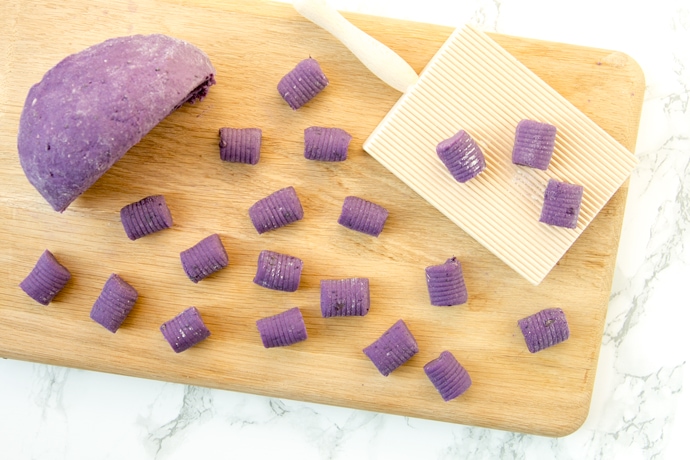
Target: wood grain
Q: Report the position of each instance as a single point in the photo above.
(252, 45)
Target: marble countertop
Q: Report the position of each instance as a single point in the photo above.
(640, 407)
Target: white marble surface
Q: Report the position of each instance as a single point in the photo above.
(641, 404)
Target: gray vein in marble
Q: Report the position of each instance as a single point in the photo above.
(487, 15)
(196, 407)
(49, 394)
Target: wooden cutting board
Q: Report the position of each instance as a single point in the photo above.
(252, 45)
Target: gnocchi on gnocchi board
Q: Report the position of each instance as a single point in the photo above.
(252, 45)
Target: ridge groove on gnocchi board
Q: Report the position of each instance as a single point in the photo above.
(179, 159)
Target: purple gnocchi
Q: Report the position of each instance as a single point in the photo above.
(363, 216)
(446, 284)
(302, 83)
(46, 279)
(534, 144)
(146, 216)
(544, 329)
(562, 203)
(115, 302)
(240, 145)
(204, 258)
(185, 330)
(326, 144)
(345, 297)
(461, 156)
(283, 329)
(276, 210)
(393, 349)
(277, 271)
(448, 376)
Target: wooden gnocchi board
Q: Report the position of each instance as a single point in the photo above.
(252, 45)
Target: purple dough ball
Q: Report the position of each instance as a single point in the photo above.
(93, 106)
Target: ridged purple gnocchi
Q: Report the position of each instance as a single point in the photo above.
(281, 272)
(146, 216)
(446, 284)
(240, 145)
(345, 297)
(283, 329)
(393, 349)
(204, 258)
(277, 210)
(448, 376)
(326, 144)
(363, 216)
(185, 330)
(562, 203)
(544, 329)
(115, 302)
(302, 83)
(461, 156)
(46, 279)
(534, 144)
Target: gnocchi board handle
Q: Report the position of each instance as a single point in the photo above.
(377, 57)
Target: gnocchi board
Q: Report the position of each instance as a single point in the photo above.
(252, 44)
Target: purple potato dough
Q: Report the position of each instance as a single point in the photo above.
(363, 216)
(46, 279)
(394, 348)
(446, 284)
(448, 376)
(461, 156)
(562, 203)
(283, 329)
(345, 297)
(534, 144)
(544, 329)
(146, 216)
(280, 272)
(240, 145)
(276, 210)
(114, 304)
(93, 106)
(302, 83)
(326, 144)
(204, 258)
(185, 330)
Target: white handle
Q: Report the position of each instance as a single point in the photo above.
(376, 56)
